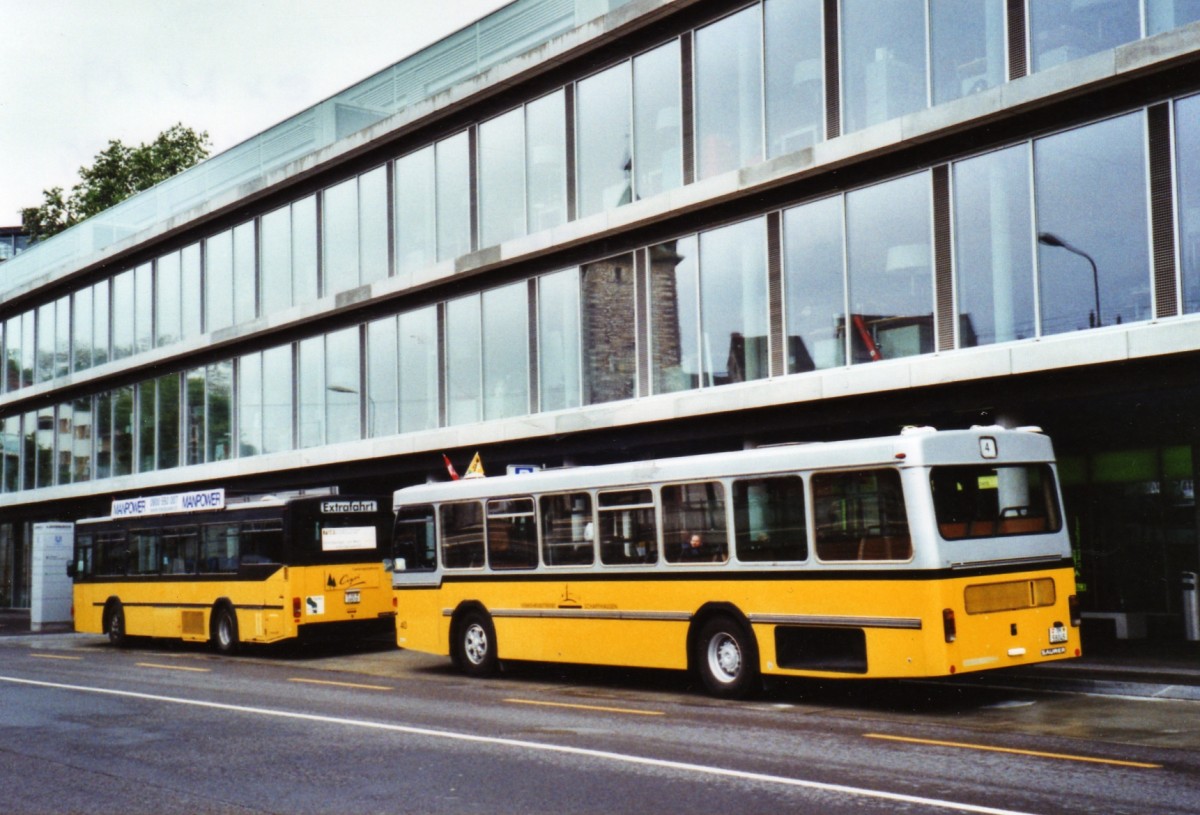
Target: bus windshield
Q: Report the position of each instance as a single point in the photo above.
(982, 501)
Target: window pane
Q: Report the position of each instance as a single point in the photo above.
(733, 303)
(674, 312)
(891, 280)
(993, 234)
(979, 501)
(122, 315)
(609, 330)
(567, 529)
(275, 260)
(657, 133)
(143, 310)
(277, 399)
(546, 160)
(10, 426)
(883, 65)
(104, 435)
(814, 284)
(968, 47)
(339, 232)
(311, 389)
(729, 93)
(694, 523)
(628, 535)
(414, 539)
(860, 516)
(506, 352)
(1061, 32)
(558, 340)
(602, 136)
(453, 197)
(382, 362)
(62, 336)
(1187, 160)
(501, 178)
(45, 342)
(462, 535)
(250, 407)
(147, 418)
(463, 360)
(511, 535)
(768, 517)
(100, 322)
(1164, 15)
(167, 299)
(29, 351)
(194, 413)
(1090, 185)
(373, 225)
(218, 410)
(190, 286)
(167, 422)
(304, 250)
(415, 236)
(795, 75)
(218, 282)
(82, 440)
(65, 432)
(245, 284)
(343, 390)
(418, 370)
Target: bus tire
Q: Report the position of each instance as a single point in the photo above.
(475, 644)
(114, 624)
(225, 630)
(727, 659)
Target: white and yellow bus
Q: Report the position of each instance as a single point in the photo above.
(190, 566)
(925, 554)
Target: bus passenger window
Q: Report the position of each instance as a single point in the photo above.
(567, 529)
(219, 548)
(694, 523)
(462, 535)
(860, 515)
(414, 539)
(144, 553)
(261, 542)
(768, 517)
(627, 528)
(112, 553)
(179, 549)
(982, 501)
(511, 534)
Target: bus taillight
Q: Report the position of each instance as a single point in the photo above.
(948, 624)
(296, 609)
(1073, 606)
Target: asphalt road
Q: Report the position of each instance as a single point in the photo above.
(161, 728)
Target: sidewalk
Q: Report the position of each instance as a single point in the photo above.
(1123, 667)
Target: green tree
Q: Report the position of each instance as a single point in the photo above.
(118, 172)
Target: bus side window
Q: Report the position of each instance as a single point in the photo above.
(219, 548)
(693, 517)
(462, 535)
(145, 552)
(83, 556)
(511, 534)
(179, 545)
(567, 529)
(768, 517)
(261, 542)
(860, 515)
(628, 533)
(112, 553)
(414, 539)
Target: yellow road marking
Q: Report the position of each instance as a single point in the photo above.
(1034, 753)
(588, 707)
(340, 684)
(173, 667)
(53, 656)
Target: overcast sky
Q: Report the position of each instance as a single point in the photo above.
(76, 73)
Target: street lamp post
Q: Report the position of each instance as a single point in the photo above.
(1050, 239)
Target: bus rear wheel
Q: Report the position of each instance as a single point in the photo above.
(225, 631)
(475, 645)
(114, 625)
(727, 659)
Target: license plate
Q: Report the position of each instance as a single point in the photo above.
(354, 596)
(1058, 634)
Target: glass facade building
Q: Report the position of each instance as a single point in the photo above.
(714, 224)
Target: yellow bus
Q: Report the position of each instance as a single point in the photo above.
(925, 554)
(191, 566)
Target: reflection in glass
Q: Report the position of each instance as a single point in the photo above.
(992, 241)
(277, 399)
(795, 75)
(558, 340)
(1187, 159)
(81, 440)
(167, 422)
(373, 226)
(602, 135)
(143, 308)
(418, 369)
(10, 427)
(219, 410)
(310, 391)
(382, 366)
(733, 303)
(1164, 15)
(342, 386)
(453, 196)
(122, 430)
(506, 351)
(250, 406)
(415, 237)
(194, 416)
(967, 47)
(501, 178)
(100, 322)
(609, 330)
(814, 269)
(304, 250)
(81, 330)
(674, 315)
(728, 62)
(167, 299)
(463, 360)
(339, 236)
(1089, 185)
(275, 260)
(657, 146)
(891, 278)
(883, 65)
(122, 314)
(104, 435)
(218, 283)
(245, 283)
(62, 336)
(546, 161)
(65, 432)
(1061, 31)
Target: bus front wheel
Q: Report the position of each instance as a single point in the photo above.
(225, 631)
(475, 645)
(727, 659)
(114, 626)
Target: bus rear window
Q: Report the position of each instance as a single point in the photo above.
(981, 501)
